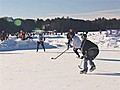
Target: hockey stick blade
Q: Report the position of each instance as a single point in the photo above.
(79, 67)
(53, 58)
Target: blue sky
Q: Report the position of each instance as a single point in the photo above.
(78, 9)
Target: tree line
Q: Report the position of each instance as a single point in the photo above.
(10, 25)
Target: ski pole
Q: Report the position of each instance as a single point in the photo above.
(59, 54)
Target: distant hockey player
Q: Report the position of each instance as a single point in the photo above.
(40, 41)
(69, 38)
(89, 51)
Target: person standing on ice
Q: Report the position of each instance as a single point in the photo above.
(76, 43)
(89, 51)
(40, 41)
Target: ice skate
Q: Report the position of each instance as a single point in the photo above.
(92, 68)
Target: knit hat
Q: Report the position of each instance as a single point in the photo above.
(84, 36)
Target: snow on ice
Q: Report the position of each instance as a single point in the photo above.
(22, 68)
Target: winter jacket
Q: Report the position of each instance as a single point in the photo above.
(76, 42)
(41, 38)
(89, 48)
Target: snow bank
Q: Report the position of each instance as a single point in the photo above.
(57, 41)
(104, 42)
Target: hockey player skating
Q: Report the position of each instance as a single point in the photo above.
(69, 38)
(75, 43)
(89, 51)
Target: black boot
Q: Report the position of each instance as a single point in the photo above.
(84, 71)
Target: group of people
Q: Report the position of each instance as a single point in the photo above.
(24, 35)
(88, 49)
(3, 36)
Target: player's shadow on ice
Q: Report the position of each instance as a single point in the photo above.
(104, 59)
(105, 74)
(57, 52)
(10, 53)
(111, 50)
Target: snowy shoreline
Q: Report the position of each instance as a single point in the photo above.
(58, 41)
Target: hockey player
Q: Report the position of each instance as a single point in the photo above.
(40, 41)
(76, 43)
(69, 38)
(89, 51)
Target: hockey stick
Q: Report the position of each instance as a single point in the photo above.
(59, 54)
(80, 64)
(82, 52)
